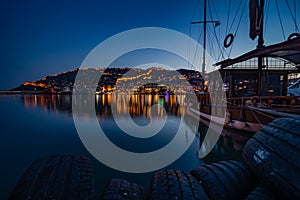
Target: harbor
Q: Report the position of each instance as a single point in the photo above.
(160, 100)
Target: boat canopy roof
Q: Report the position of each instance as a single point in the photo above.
(288, 50)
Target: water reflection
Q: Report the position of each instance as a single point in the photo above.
(45, 127)
(57, 103)
(136, 105)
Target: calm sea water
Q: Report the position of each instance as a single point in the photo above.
(35, 126)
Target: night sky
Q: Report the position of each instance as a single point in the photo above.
(40, 38)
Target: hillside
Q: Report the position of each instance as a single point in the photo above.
(65, 81)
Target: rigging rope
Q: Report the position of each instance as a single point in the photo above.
(195, 55)
(195, 9)
(190, 34)
(229, 6)
(264, 114)
(221, 48)
(253, 114)
(266, 11)
(214, 8)
(276, 2)
(293, 17)
(295, 11)
(211, 43)
(235, 15)
(215, 34)
(238, 26)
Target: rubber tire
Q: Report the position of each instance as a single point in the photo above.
(57, 177)
(225, 180)
(120, 189)
(293, 36)
(273, 154)
(173, 184)
(261, 192)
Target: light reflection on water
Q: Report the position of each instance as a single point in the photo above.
(140, 105)
(35, 126)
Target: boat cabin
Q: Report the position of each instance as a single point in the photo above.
(243, 77)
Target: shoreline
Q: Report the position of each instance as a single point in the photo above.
(7, 92)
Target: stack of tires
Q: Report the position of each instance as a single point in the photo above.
(57, 177)
(270, 171)
(118, 189)
(273, 154)
(225, 180)
(230, 180)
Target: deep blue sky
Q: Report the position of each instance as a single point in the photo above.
(40, 38)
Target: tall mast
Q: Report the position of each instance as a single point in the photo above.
(204, 38)
(205, 22)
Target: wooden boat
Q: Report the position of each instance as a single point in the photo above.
(247, 114)
(255, 94)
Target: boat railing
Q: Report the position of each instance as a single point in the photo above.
(289, 102)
